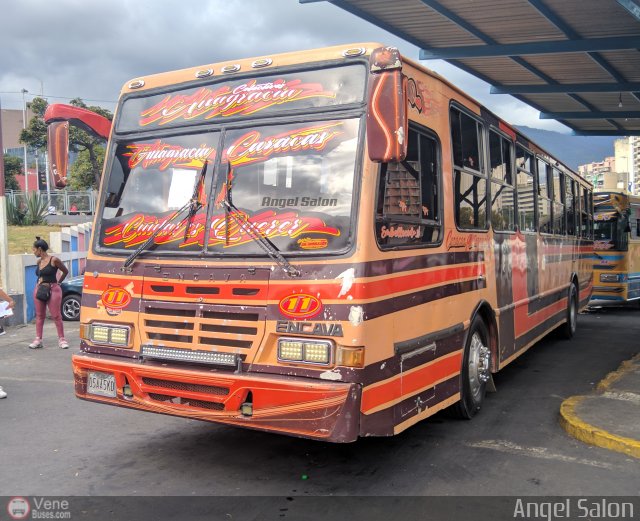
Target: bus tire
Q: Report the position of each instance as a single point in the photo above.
(568, 329)
(475, 372)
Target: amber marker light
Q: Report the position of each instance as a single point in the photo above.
(350, 356)
(85, 331)
(230, 68)
(263, 62)
(354, 52)
(204, 73)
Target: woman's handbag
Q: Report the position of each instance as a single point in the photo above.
(43, 292)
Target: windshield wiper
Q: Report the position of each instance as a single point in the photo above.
(193, 204)
(267, 246)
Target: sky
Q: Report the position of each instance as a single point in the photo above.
(89, 48)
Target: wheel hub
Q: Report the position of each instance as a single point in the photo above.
(479, 363)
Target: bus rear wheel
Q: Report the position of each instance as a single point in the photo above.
(475, 371)
(568, 329)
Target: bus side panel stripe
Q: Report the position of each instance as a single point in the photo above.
(382, 423)
(538, 304)
(536, 331)
(393, 390)
(340, 312)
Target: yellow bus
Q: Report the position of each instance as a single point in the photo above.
(329, 244)
(616, 247)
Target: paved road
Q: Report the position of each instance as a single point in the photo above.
(54, 444)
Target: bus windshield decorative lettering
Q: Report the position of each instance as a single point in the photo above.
(248, 98)
(163, 155)
(251, 148)
(140, 227)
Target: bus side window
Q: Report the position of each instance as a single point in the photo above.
(470, 180)
(503, 205)
(587, 219)
(526, 190)
(570, 205)
(544, 197)
(408, 207)
(590, 216)
(558, 203)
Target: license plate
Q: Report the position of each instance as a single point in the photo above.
(102, 384)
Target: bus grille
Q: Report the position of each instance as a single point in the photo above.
(201, 404)
(201, 326)
(182, 386)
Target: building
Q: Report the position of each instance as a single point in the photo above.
(12, 124)
(602, 174)
(623, 148)
(635, 155)
(619, 172)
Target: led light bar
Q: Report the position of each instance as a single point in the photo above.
(188, 355)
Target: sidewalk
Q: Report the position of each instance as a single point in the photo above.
(24, 334)
(608, 417)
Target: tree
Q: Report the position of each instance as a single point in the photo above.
(82, 173)
(35, 136)
(12, 167)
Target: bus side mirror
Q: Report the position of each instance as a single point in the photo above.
(58, 152)
(387, 118)
(57, 117)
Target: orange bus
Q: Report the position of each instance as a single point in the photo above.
(328, 244)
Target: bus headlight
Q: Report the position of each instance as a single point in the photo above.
(290, 350)
(611, 277)
(106, 334)
(305, 351)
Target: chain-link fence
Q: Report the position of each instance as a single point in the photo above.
(61, 202)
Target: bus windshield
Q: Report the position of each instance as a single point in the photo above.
(609, 231)
(292, 182)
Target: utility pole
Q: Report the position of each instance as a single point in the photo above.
(4, 237)
(24, 126)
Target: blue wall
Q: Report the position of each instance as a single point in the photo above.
(30, 281)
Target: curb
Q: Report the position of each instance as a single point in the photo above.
(587, 433)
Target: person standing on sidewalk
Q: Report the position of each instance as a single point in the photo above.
(6, 298)
(47, 273)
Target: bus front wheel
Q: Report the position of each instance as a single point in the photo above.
(475, 371)
(568, 329)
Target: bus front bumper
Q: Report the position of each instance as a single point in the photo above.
(289, 405)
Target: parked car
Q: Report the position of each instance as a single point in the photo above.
(71, 297)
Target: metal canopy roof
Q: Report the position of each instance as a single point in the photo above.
(576, 61)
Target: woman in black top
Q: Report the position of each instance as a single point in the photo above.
(47, 273)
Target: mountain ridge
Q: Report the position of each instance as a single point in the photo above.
(571, 150)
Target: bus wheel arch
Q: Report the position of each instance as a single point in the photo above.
(477, 362)
(568, 328)
(486, 313)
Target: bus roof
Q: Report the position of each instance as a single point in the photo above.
(323, 54)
